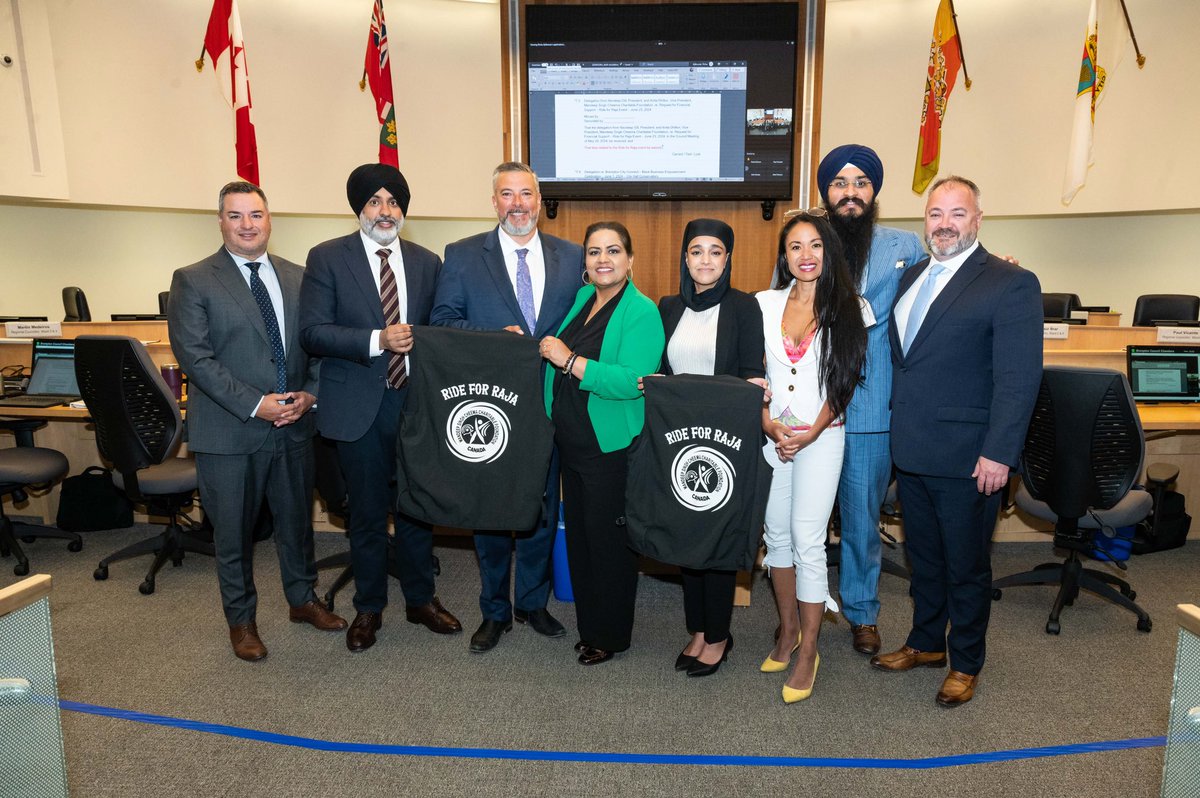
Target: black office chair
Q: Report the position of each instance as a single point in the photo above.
(75, 305)
(1059, 306)
(138, 429)
(1151, 308)
(24, 467)
(163, 297)
(1083, 451)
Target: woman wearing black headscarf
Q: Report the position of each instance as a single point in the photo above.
(711, 329)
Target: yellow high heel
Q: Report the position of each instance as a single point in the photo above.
(775, 666)
(791, 695)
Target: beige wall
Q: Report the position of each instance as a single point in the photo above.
(148, 140)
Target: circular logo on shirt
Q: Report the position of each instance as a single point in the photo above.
(477, 431)
(702, 478)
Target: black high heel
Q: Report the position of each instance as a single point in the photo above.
(704, 669)
(684, 661)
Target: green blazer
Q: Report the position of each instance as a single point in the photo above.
(632, 348)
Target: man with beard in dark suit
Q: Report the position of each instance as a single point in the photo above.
(512, 278)
(361, 295)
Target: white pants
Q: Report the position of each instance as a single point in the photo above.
(802, 496)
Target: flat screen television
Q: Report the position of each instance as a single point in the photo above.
(668, 101)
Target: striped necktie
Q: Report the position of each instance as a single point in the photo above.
(389, 296)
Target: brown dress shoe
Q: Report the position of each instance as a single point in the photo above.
(958, 688)
(866, 638)
(908, 658)
(246, 644)
(362, 631)
(434, 617)
(314, 612)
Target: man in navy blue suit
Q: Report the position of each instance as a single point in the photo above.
(360, 297)
(512, 278)
(966, 338)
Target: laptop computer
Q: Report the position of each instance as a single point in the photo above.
(52, 380)
(1164, 373)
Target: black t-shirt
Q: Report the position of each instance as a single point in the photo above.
(474, 445)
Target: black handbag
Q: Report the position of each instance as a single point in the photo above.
(90, 502)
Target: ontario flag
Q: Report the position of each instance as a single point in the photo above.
(227, 51)
(1103, 49)
(945, 60)
(378, 72)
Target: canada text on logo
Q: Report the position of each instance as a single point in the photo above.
(477, 431)
(702, 478)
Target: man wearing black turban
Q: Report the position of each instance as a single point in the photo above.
(360, 296)
(850, 178)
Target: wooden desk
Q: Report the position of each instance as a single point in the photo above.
(1106, 319)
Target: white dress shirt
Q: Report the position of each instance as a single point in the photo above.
(533, 258)
(904, 306)
(396, 261)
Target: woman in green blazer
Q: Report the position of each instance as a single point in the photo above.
(612, 336)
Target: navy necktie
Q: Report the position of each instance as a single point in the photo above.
(259, 290)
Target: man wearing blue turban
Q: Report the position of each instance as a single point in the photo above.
(850, 178)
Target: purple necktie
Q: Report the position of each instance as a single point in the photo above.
(525, 291)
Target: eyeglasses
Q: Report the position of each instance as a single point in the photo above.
(820, 213)
(859, 183)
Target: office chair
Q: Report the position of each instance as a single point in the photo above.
(1083, 451)
(1165, 307)
(1059, 306)
(23, 467)
(163, 297)
(75, 304)
(138, 430)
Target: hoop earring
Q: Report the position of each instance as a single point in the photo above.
(587, 277)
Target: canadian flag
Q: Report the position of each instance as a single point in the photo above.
(227, 51)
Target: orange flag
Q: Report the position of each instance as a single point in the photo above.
(945, 59)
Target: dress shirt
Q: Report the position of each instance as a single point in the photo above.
(396, 261)
(533, 259)
(904, 306)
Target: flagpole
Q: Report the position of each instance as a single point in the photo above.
(1141, 59)
(961, 57)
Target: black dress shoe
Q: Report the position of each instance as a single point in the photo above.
(434, 617)
(580, 645)
(361, 634)
(684, 661)
(488, 635)
(540, 621)
(594, 656)
(706, 669)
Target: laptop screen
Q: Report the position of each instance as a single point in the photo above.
(53, 367)
(1164, 373)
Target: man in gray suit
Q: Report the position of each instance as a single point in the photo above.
(233, 325)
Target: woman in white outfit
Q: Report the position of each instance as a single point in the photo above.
(815, 331)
